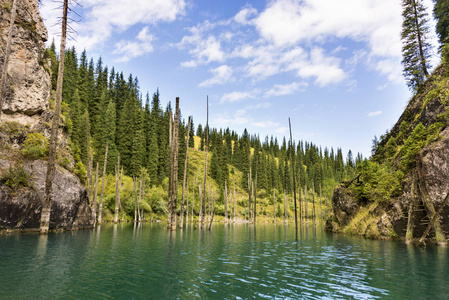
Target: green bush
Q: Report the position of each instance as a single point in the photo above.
(35, 146)
(16, 177)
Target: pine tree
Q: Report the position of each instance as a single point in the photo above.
(415, 45)
(441, 14)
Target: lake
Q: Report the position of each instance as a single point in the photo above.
(234, 261)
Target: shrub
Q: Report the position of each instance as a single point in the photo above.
(16, 177)
(35, 146)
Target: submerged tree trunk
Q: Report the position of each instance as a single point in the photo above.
(7, 53)
(89, 174)
(226, 202)
(293, 171)
(255, 195)
(313, 201)
(173, 194)
(233, 209)
(51, 164)
(306, 213)
(205, 162)
(200, 215)
(300, 192)
(135, 199)
(285, 206)
(117, 189)
(181, 224)
(249, 192)
(94, 201)
(100, 208)
(274, 205)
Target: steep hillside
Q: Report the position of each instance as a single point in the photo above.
(399, 191)
(24, 132)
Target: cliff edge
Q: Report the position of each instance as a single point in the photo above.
(25, 129)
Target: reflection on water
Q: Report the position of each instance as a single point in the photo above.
(234, 261)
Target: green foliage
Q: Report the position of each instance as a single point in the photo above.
(441, 14)
(416, 48)
(35, 146)
(16, 177)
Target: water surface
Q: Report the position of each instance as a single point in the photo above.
(234, 261)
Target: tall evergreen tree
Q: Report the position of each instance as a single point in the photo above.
(441, 14)
(415, 45)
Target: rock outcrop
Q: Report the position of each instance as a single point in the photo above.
(423, 188)
(26, 111)
(28, 83)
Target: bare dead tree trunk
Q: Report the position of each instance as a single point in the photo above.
(135, 199)
(300, 192)
(181, 224)
(205, 161)
(255, 195)
(170, 172)
(305, 204)
(100, 208)
(433, 220)
(226, 202)
(285, 205)
(313, 201)
(249, 192)
(321, 208)
(233, 209)
(51, 164)
(94, 201)
(117, 189)
(187, 205)
(173, 194)
(89, 174)
(200, 215)
(193, 199)
(274, 204)
(7, 53)
(293, 170)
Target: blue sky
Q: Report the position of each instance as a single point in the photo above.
(333, 67)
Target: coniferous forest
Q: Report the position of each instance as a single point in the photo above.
(104, 107)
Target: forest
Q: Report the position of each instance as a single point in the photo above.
(102, 106)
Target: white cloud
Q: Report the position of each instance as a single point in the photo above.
(237, 96)
(130, 49)
(103, 18)
(222, 74)
(375, 113)
(204, 51)
(286, 89)
(243, 15)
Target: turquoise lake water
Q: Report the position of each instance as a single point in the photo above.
(234, 261)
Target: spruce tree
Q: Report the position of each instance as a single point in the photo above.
(415, 45)
(441, 14)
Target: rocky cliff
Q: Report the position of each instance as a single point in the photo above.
(401, 188)
(24, 132)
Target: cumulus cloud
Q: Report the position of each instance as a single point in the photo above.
(286, 89)
(103, 18)
(130, 49)
(222, 74)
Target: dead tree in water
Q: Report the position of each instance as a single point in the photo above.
(187, 205)
(51, 164)
(200, 215)
(117, 189)
(249, 192)
(7, 53)
(94, 201)
(233, 209)
(274, 204)
(255, 195)
(226, 202)
(293, 170)
(136, 203)
(305, 204)
(300, 191)
(285, 205)
(181, 223)
(203, 209)
(313, 201)
(173, 178)
(100, 208)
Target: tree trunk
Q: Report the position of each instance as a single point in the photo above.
(135, 199)
(285, 205)
(255, 195)
(420, 45)
(51, 164)
(7, 53)
(321, 209)
(173, 195)
(293, 171)
(300, 192)
(249, 193)
(117, 189)
(274, 205)
(233, 209)
(100, 208)
(89, 174)
(313, 201)
(94, 201)
(306, 213)
(205, 161)
(226, 202)
(181, 224)
(200, 215)
(433, 220)
(187, 205)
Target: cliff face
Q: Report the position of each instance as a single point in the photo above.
(28, 83)
(423, 187)
(25, 113)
